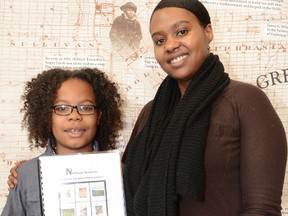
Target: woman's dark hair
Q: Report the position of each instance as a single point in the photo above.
(40, 94)
(194, 6)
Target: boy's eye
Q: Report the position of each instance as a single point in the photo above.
(61, 108)
(86, 107)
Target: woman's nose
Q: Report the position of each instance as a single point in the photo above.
(171, 45)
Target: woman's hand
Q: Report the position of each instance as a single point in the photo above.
(12, 178)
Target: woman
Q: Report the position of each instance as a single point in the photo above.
(206, 145)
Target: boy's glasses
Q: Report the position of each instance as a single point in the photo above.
(65, 110)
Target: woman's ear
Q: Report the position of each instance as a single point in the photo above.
(209, 32)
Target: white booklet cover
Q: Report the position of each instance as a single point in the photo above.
(82, 185)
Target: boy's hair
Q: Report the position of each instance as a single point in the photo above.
(40, 94)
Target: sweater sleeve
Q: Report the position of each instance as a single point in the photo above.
(263, 153)
(24, 199)
(14, 204)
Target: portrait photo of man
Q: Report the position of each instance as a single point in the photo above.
(125, 33)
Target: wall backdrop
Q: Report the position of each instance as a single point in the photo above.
(250, 36)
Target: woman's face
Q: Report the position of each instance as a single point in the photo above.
(75, 133)
(181, 44)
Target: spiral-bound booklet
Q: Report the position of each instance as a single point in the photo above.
(82, 185)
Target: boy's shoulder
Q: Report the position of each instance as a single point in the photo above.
(29, 166)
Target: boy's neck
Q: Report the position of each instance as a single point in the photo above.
(64, 151)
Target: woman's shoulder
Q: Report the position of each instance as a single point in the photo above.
(235, 86)
(146, 108)
(138, 126)
(241, 91)
(245, 98)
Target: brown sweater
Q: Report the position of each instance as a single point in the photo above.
(245, 157)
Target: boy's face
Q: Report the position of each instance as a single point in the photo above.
(75, 133)
(130, 13)
(180, 42)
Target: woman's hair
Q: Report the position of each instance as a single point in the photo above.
(194, 6)
(40, 94)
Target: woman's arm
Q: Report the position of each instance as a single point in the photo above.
(12, 178)
(263, 154)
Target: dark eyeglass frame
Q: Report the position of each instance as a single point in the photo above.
(74, 107)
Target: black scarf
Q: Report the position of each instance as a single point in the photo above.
(166, 159)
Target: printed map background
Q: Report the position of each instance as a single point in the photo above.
(250, 36)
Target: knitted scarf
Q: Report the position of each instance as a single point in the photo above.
(166, 159)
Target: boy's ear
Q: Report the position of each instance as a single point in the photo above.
(99, 117)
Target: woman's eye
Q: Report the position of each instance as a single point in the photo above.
(182, 32)
(159, 41)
